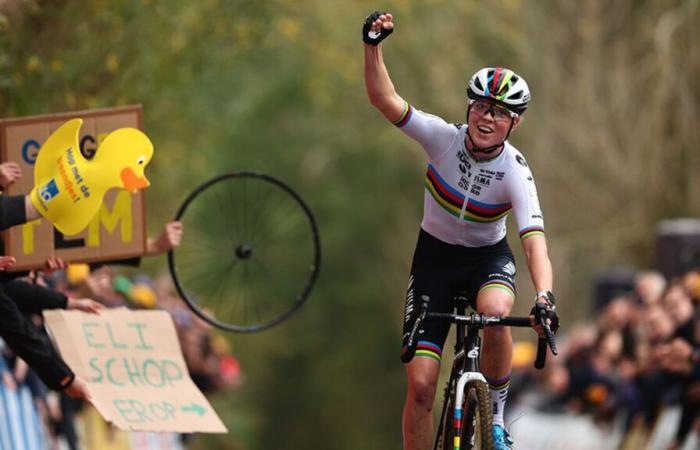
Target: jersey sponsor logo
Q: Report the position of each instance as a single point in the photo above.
(458, 125)
(482, 180)
(476, 189)
(521, 160)
(500, 175)
(464, 159)
(464, 183)
(509, 268)
(409, 300)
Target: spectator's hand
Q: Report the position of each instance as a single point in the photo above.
(377, 27)
(168, 239)
(78, 390)
(87, 305)
(6, 261)
(9, 173)
(8, 380)
(54, 263)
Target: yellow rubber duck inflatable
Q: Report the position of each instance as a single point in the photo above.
(69, 189)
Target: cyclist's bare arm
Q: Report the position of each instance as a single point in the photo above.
(540, 268)
(538, 262)
(380, 89)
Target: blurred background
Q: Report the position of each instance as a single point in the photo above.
(276, 86)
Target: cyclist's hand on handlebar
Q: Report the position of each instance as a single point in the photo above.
(543, 308)
(377, 27)
(545, 321)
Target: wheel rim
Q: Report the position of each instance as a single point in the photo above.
(250, 252)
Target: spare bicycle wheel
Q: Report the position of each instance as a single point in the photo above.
(250, 252)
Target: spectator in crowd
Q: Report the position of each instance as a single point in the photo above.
(642, 355)
(648, 286)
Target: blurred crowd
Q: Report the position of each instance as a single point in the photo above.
(34, 417)
(637, 356)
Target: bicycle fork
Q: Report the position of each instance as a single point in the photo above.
(470, 372)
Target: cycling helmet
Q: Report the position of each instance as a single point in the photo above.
(502, 86)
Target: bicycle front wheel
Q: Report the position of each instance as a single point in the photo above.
(471, 429)
(250, 252)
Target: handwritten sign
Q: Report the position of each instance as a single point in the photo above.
(134, 369)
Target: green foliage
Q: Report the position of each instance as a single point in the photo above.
(277, 87)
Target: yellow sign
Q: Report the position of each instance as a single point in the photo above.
(117, 230)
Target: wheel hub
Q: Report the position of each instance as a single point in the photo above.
(244, 251)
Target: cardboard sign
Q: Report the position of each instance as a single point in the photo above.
(134, 369)
(118, 231)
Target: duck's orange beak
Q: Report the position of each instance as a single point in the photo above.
(132, 182)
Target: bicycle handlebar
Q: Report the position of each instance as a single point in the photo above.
(482, 321)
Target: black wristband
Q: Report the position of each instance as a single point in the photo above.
(374, 37)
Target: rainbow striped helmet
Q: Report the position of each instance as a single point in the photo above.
(502, 86)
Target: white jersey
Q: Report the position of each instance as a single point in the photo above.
(467, 201)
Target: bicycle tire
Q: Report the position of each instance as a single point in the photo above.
(250, 252)
(477, 420)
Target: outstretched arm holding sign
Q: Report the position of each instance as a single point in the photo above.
(17, 296)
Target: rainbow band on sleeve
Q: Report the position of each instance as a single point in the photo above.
(531, 231)
(407, 112)
(499, 284)
(429, 349)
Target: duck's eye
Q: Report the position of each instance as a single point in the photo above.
(141, 159)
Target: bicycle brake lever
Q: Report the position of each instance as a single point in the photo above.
(543, 342)
(551, 340)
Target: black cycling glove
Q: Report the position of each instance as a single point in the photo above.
(374, 37)
(549, 312)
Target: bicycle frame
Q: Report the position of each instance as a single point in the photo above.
(465, 367)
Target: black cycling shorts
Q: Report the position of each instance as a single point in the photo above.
(440, 270)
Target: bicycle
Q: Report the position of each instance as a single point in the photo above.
(250, 253)
(467, 392)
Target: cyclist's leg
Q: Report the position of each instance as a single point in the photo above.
(422, 376)
(498, 343)
(495, 297)
(427, 278)
(422, 372)
(497, 349)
